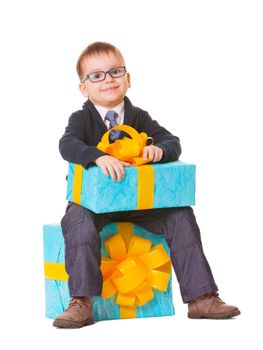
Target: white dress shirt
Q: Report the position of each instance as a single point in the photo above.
(119, 109)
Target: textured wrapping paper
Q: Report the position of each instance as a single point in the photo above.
(56, 290)
(144, 187)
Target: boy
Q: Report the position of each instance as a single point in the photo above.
(104, 82)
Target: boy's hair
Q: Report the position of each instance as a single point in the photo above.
(97, 48)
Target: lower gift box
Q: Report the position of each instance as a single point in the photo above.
(136, 269)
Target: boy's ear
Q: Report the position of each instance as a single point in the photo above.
(83, 90)
(129, 79)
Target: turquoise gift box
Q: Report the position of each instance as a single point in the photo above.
(56, 290)
(143, 187)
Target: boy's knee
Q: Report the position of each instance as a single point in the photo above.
(78, 227)
(74, 215)
(177, 215)
(182, 229)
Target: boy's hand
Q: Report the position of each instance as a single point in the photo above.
(153, 152)
(111, 166)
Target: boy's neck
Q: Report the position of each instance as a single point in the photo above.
(119, 106)
(108, 107)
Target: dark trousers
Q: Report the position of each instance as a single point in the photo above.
(81, 228)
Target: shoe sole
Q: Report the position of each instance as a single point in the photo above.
(71, 324)
(215, 317)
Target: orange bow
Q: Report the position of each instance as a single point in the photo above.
(127, 149)
(132, 270)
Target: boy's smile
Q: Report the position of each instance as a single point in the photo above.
(109, 92)
(110, 89)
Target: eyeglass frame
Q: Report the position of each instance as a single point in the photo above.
(105, 74)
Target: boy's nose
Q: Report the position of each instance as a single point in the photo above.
(108, 77)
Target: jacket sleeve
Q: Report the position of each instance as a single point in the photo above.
(72, 144)
(163, 139)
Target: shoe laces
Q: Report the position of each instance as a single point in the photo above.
(215, 297)
(75, 302)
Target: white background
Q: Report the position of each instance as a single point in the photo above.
(196, 66)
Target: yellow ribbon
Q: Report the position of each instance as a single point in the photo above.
(131, 272)
(145, 187)
(77, 184)
(127, 149)
(55, 271)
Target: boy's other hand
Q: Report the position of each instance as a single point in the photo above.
(112, 167)
(153, 152)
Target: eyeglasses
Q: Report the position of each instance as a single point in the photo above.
(101, 75)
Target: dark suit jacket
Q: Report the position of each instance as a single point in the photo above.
(86, 128)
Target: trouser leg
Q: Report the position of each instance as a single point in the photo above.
(81, 228)
(182, 234)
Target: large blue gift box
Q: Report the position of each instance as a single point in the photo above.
(56, 287)
(143, 187)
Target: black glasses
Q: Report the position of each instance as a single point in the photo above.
(101, 75)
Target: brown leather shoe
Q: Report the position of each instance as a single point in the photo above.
(211, 306)
(78, 314)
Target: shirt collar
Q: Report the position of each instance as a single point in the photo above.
(119, 109)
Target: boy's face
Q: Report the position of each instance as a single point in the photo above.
(109, 92)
